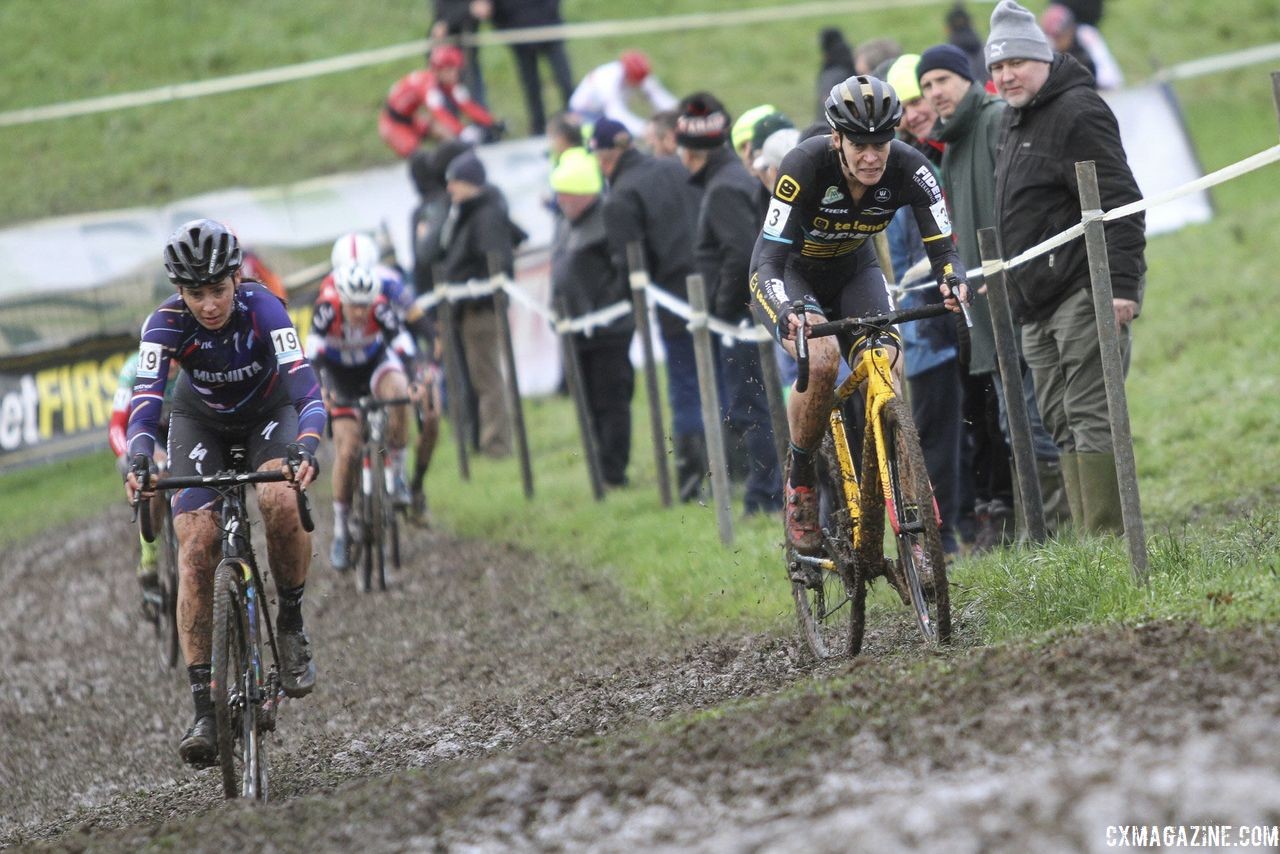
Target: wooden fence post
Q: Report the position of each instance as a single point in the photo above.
(1112, 368)
(773, 392)
(577, 390)
(1010, 364)
(639, 278)
(515, 405)
(712, 423)
(456, 387)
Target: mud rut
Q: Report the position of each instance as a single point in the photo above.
(491, 701)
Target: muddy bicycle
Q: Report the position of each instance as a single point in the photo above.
(888, 480)
(245, 673)
(374, 522)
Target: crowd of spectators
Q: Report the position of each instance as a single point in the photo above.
(690, 186)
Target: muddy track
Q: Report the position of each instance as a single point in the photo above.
(492, 701)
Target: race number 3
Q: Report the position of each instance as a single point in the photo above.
(286, 344)
(150, 356)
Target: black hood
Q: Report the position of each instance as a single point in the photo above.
(1064, 73)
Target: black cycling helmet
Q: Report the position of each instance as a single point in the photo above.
(864, 109)
(201, 252)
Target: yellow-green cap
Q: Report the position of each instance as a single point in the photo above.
(746, 123)
(577, 174)
(902, 77)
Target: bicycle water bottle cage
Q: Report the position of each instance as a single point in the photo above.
(239, 457)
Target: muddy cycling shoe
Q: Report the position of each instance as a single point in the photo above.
(297, 669)
(338, 553)
(418, 509)
(400, 491)
(803, 532)
(152, 598)
(199, 747)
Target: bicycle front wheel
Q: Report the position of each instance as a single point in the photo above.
(168, 577)
(378, 506)
(914, 517)
(234, 685)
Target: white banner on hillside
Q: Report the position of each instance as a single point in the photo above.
(80, 252)
(1160, 154)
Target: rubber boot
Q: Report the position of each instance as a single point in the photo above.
(1053, 492)
(1100, 494)
(1053, 499)
(691, 466)
(1069, 466)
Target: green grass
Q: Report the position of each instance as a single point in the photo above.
(57, 495)
(1202, 385)
(71, 49)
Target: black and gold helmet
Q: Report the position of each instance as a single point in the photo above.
(864, 109)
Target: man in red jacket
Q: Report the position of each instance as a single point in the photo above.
(433, 103)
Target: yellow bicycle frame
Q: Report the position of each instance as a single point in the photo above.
(873, 372)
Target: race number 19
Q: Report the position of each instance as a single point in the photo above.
(149, 356)
(286, 345)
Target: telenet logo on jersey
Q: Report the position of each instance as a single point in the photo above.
(787, 189)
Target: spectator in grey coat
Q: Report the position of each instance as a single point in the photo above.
(1054, 119)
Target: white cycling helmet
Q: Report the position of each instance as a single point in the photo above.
(357, 285)
(354, 248)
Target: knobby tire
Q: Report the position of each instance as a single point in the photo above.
(241, 754)
(168, 575)
(921, 562)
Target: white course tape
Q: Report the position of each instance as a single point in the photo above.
(912, 282)
(602, 317)
(381, 56)
(1220, 62)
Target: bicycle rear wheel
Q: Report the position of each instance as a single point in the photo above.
(168, 577)
(913, 514)
(241, 754)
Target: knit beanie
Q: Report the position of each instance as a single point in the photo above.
(902, 77)
(577, 174)
(466, 167)
(1015, 35)
(946, 57)
(609, 133)
(767, 127)
(746, 124)
(702, 123)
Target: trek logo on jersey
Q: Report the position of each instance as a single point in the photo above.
(883, 194)
(287, 347)
(832, 195)
(233, 376)
(150, 357)
(787, 188)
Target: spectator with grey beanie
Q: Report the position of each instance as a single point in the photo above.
(1054, 119)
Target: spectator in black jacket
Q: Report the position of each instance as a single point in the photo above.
(517, 14)
(585, 279)
(651, 202)
(728, 222)
(1055, 119)
(476, 227)
(837, 65)
(457, 18)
